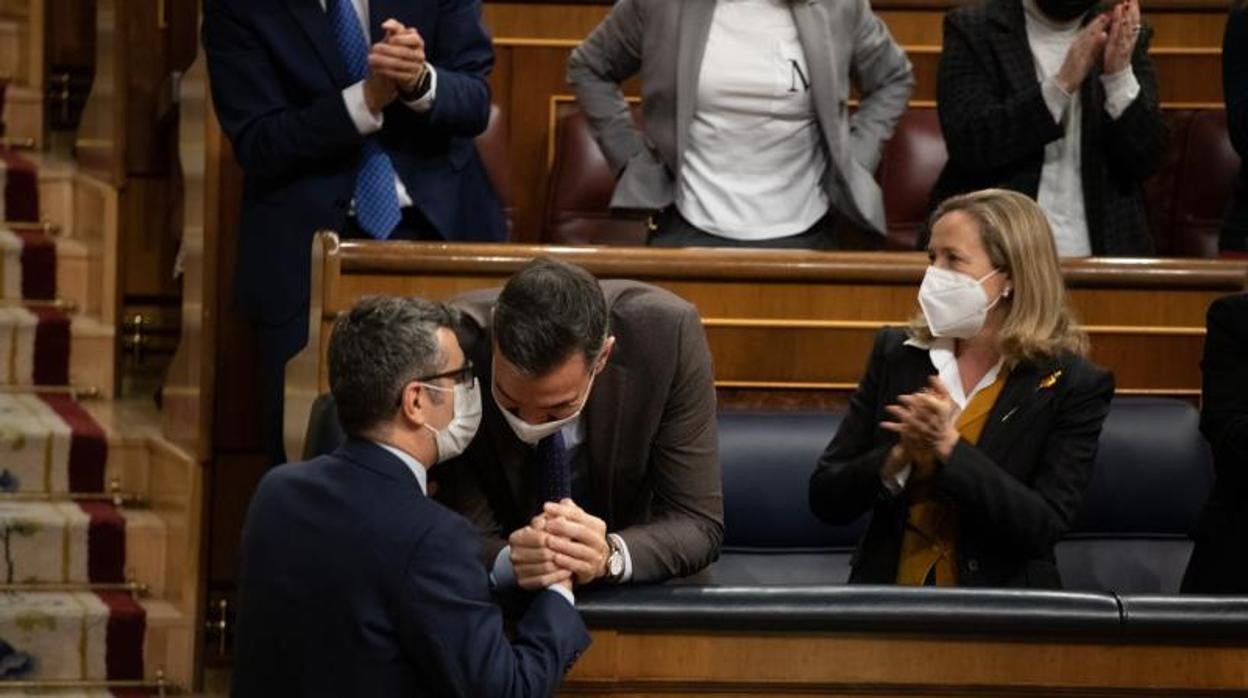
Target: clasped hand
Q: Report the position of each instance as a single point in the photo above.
(561, 545)
(1109, 39)
(396, 63)
(925, 422)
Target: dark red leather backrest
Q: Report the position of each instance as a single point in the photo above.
(1203, 186)
(911, 163)
(1186, 198)
(579, 199)
(492, 147)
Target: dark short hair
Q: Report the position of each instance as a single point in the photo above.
(376, 348)
(548, 310)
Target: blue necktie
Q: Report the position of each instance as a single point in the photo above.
(376, 200)
(554, 476)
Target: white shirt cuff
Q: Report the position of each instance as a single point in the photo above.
(1121, 89)
(365, 120)
(897, 482)
(1055, 98)
(628, 559)
(425, 102)
(564, 592)
(503, 575)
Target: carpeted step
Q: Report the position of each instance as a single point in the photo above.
(27, 265)
(20, 181)
(78, 636)
(49, 444)
(34, 346)
(62, 542)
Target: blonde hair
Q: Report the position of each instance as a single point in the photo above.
(1013, 230)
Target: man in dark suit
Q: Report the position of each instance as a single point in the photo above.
(1219, 564)
(1079, 133)
(354, 582)
(348, 115)
(597, 452)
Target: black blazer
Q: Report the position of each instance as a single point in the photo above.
(1016, 492)
(1235, 90)
(277, 79)
(353, 583)
(996, 125)
(1219, 563)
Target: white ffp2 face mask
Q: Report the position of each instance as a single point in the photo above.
(954, 304)
(453, 438)
(532, 433)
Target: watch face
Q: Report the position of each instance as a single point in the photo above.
(615, 563)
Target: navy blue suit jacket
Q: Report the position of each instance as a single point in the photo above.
(277, 79)
(353, 583)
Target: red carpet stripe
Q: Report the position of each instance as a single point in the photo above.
(127, 623)
(88, 447)
(52, 342)
(38, 266)
(106, 543)
(21, 191)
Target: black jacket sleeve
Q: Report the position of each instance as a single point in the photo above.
(846, 482)
(1224, 391)
(452, 628)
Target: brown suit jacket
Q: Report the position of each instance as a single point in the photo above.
(653, 462)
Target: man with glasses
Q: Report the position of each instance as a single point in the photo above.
(353, 582)
(597, 455)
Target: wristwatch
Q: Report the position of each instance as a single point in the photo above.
(615, 560)
(422, 86)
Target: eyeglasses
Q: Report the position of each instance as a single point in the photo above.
(458, 376)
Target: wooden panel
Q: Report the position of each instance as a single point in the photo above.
(100, 144)
(190, 388)
(789, 321)
(655, 663)
(909, 22)
(148, 241)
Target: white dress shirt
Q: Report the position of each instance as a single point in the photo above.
(945, 361)
(366, 122)
(422, 478)
(1061, 179)
(755, 161)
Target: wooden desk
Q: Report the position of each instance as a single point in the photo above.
(897, 641)
(786, 328)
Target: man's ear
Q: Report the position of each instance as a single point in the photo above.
(414, 404)
(605, 355)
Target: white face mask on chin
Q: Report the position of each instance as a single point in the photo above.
(955, 305)
(453, 438)
(532, 433)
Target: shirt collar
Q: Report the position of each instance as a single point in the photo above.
(940, 351)
(412, 464)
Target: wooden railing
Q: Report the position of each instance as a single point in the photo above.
(784, 326)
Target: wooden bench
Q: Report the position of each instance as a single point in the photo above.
(786, 328)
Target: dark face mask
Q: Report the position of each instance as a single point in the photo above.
(1065, 10)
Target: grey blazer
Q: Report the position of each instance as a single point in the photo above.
(664, 40)
(652, 455)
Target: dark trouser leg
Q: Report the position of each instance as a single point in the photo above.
(274, 347)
